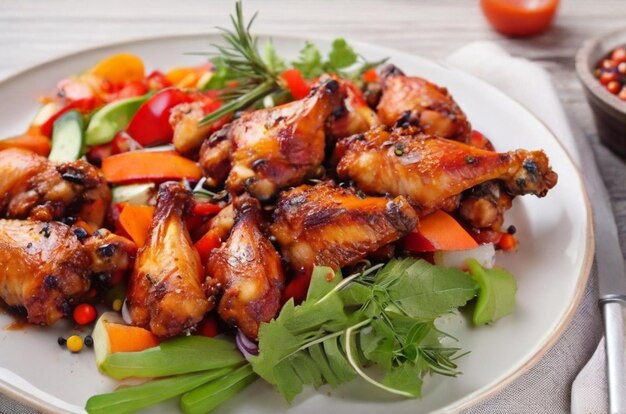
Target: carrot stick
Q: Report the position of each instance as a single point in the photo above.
(32, 140)
(438, 231)
(135, 220)
(138, 166)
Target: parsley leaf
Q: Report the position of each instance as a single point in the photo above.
(340, 56)
(310, 61)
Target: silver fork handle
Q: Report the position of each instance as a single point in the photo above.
(616, 371)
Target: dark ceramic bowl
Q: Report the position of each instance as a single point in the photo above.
(609, 111)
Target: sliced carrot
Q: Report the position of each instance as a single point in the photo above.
(138, 166)
(32, 140)
(438, 231)
(124, 338)
(119, 68)
(135, 221)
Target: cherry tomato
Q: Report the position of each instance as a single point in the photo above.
(151, 123)
(614, 87)
(85, 314)
(619, 55)
(519, 17)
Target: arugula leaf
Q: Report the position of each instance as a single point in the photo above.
(390, 315)
(406, 377)
(426, 291)
(341, 55)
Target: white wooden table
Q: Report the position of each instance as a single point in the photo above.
(33, 31)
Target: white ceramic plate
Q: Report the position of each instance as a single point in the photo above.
(552, 264)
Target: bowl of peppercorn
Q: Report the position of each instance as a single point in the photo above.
(601, 67)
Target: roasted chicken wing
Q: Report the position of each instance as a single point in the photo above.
(353, 117)
(36, 188)
(429, 170)
(333, 226)
(46, 267)
(165, 292)
(248, 269)
(269, 149)
(415, 101)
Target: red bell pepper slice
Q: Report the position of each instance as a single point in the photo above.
(205, 209)
(82, 105)
(297, 287)
(151, 124)
(206, 244)
(296, 85)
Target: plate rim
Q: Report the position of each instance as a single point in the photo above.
(469, 400)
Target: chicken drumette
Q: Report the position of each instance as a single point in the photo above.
(36, 188)
(46, 267)
(408, 100)
(333, 226)
(269, 149)
(248, 269)
(432, 172)
(165, 292)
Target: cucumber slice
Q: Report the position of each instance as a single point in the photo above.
(67, 137)
(111, 119)
(138, 194)
(46, 112)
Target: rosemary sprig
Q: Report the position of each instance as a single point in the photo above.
(253, 77)
(257, 75)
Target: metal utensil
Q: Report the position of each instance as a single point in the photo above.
(611, 280)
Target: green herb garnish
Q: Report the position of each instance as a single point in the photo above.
(256, 75)
(390, 314)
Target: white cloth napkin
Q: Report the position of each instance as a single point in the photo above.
(532, 86)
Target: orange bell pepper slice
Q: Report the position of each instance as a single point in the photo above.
(135, 221)
(119, 68)
(142, 166)
(32, 140)
(438, 231)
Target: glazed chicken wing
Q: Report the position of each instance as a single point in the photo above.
(430, 171)
(248, 269)
(353, 117)
(269, 149)
(46, 267)
(165, 292)
(415, 101)
(36, 188)
(333, 226)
